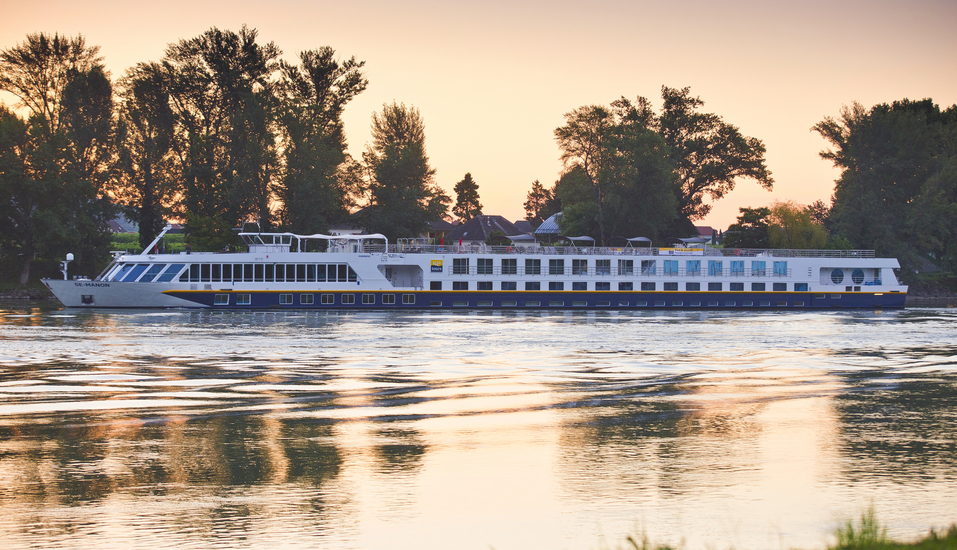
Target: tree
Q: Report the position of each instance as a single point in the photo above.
(540, 204)
(467, 204)
(403, 197)
(751, 229)
(894, 193)
(791, 225)
(319, 182)
(708, 154)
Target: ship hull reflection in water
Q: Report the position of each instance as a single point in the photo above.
(418, 430)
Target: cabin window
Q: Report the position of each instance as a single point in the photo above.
(837, 276)
(626, 267)
(388, 299)
(123, 272)
(579, 267)
(270, 272)
(579, 285)
(717, 287)
(460, 266)
(671, 286)
(484, 266)
(737, 287)
(327, 299)
(194, 272)
(300, 273)
(533, 267)
(780, 287)
(556, 285)
(857, 276)
(532, 304)
(243, 299)
(509, 303)
(280, 273)
(671, 268)
(408, 299)
(435, 285)
(556, 267)
(693, 267)
(757, 287)
(306, 299)
(758, 268)
(348, 299)
(800, 287)
(781, 269)
(227, 272)
(151, 273)
(556, 304)
(285, 299)
(247, 272)
(647, 286)
(216, 273)
(460, 285)
(602, 286)
(715, 268)
(258, 272)
(509, 285)
(368, 299)
(629, 286)
(533, 285)
(345, 273)
(648, 267)
(509, 266)
(692, 287)
(221, 300)
(484, 285)
(603, 267)
(170, 272)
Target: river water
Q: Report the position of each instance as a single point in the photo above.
(192, 429)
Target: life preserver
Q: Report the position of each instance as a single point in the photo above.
(737, 252)
(509, 250)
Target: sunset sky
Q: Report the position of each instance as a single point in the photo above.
(493, 79)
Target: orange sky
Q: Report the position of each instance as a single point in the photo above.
(493, 79)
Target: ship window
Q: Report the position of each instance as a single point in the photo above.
(837, 276)
(671, 268)
(671, 286)
(556, 304)
(800, 287)
(344, 274)
(327, 299)
(170, 272)
(533, 285)
(648, 267)
(624, 303)
(348, 299)
(647, 286)
(715, 268)
(715, 286)
(533, 267)
(285, 299)
(484, 266)
(532, 304)
(194, 273)
(509, 266)
(677, 304)
(460, 285)
(151, 273)
(269, 271)
(693, 267)
(368, 299)
(306, 299)
(460, 266)
(626, 267)
(509, 285)
(765, 304)
(243, 299)
(408, 299)
(737, 267)
(602, 286)
(798, 304)
(712, 304)
(737, 287)
(221, 300)
(729, 303)
(579, 267)
(123, 271)
(511, 303)
(692, 287)
(388, 299)
(435, 285)
(556, 267)
(757, 286)
(857, 276)
(629, 286)
(782, 304)
(578, 303)
(659, 304)
(435, 304)
(603, 267)
(556, 285)
(781, 269)
(579, 285)
(747, 304)
(639, 304)
(758, 268)
(460, 304)
(280, 273)
(835, 296)
(484, 285)
(300, 273)
(695, 304)
(227, 272)
(247, 272)
(484, 303)
(217, 273)
(235, 272)
(780, 287)
(258, 272)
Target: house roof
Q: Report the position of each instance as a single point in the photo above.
(481, 227)
(705, 231)
(441, 225)
(524, 226)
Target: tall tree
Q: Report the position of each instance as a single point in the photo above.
(318, 184)
(540, 204)
(403, 196)
(751, 229)
(791, 225)
(467, 204)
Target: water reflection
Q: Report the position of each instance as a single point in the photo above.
(503, 429)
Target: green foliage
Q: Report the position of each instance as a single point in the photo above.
(540, 204)
(897, 193)
(866, 533)
(467, 204)
(751, 229)
(208, 233)
(791, 225)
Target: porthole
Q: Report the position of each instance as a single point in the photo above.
(837, 276)
(857, 276)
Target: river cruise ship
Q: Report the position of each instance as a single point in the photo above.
(355, 272)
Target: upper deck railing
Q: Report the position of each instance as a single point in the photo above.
(612, 251)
